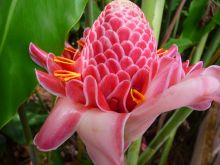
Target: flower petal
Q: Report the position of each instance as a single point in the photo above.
(74, 90)
(93, 95)
(50, 83)
(185, 93)
(103, 135)
(51, 65)
(59, 126)
(38, 55)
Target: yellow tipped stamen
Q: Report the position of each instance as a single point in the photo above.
(136, 96)
(161, 52)
(66, 75)
(71, 50)
(63, 60)
(81, 43)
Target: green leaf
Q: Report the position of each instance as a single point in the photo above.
(182, 43)
(216, 17)
(174, 4)
(96, 11)
(45, 23)
(192, 28)
(191, 25)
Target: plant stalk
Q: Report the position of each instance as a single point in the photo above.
(153, 10)
(28, 135)
(199, 50)
(215, 43)
(133, 152)
(167, 148)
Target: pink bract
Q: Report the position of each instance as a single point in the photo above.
(113, 87)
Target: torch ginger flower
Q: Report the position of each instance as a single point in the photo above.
(113, 87)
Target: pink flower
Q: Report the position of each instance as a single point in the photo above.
(113, 87)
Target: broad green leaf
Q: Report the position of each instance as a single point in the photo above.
(192, 28)
(44, 22)
(192, 22)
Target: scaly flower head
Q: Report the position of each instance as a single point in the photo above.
(116, 83)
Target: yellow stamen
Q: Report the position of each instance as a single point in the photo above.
(81, 43)
(161, 52)
(136, 96)
(66, 75)
(71, 50)
(63, 60)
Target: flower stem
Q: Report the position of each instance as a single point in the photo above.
(133, 152)
(28, 135)
(199, 50)
(153, 10)
(172, 124)
(208, 56)
(167, 148)
(89, 13)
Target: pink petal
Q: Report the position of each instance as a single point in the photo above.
(161, 81)
(103, 135)
(132, 69)
(123, 33)
(127, 46)
(100, 58)
(115, 23)
(59, 126)
(106, 43)
(122, 75)
(138, 82)
(117, 99)
(108, 84)
(118, 50)
(38, 55)
(103, 70)
(112, 36)
(50, 83)
(113, 65)
(135, 54)
(93, 95)
(201, 106)
(74, 90)
(125, 62)
(110, 54)
(185, 93)
(93, 71)
(51, 65)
